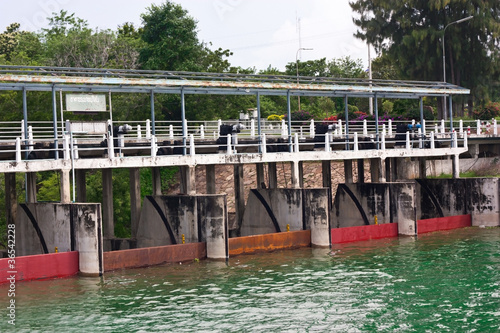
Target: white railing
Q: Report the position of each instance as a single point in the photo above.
(202, 137)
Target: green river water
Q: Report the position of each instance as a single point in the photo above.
(440, 282)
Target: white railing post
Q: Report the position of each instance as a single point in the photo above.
(296, 141)
(390, 127)
(18, 150)
(148, 129)
(442, 127)
(202, 132)
(383, 129)
(365, 127)
(75, 149)
(340, 127)
(423, 127)
(466, 142)
(111, 147)
(229, 149)
(153, 146)
(455, 139)
(30, 138)
(284, 129)
(263, 147)
(66, 147)
(191, 144)
(433, 145)
(23, 134)
(171, 132)
(436, 129)
(356, 141)
(495, 129)
(219, 123)
(383, 140)
(327, 142)
(461, 127)
(301, 132)
(139, 133)
(312, 129)
(252, 128)
(420, 141)
(408, 145)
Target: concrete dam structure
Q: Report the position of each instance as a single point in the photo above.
(192, 226)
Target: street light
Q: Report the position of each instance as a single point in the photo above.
(297, 63)
(444, 55)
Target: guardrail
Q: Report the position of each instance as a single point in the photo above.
(166, 138)
(40, 130)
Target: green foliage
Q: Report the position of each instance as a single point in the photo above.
(171, 40)
(410, 33)
(387, 106)
(488, 111)
(48, 184)
(352, 108)
(343, 67)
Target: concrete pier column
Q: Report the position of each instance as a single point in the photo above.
(317, 215)
(348, 171)
(31, 187)
(188, 180)
(422, 166)
(81, 185)
(295, 174)
(65, 187)
(107, 204)
(10, 198)
(216, 230)
(377, 169)
(392, 169)
(273, 175)
(155, 174)
(374, 170)
(326, 169)
(403, 198)
(135, 200)
(301, 174)
(456, 166)
(239, 193)
(210, 179)
(261, 180)
(88, 238)
(361, 171)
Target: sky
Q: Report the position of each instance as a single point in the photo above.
(260, 33)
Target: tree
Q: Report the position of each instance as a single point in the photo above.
(411, 32)
(171, 40)
(70, 43)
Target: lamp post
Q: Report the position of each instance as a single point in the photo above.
(297, 63)
(444, 55)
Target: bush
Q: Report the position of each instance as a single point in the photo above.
(300, 116)
(275, 117)
(414, 113)
(488, 111)
(387, 106)
(330, 120)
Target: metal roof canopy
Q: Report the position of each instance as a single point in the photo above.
(70, 79)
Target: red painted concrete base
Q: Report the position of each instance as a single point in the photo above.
(361, 233)
(443, 223)
(269, 242)
(153, 256)
(42, 266)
